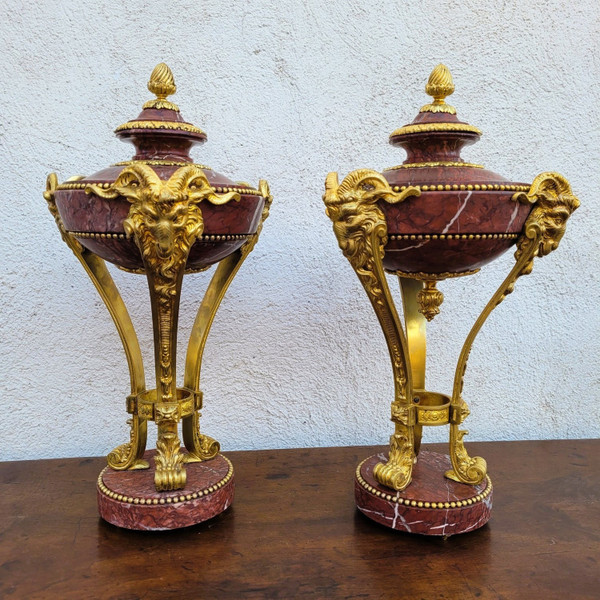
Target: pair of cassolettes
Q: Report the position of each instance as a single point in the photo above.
(431, 218)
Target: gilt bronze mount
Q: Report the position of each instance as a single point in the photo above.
(432, 218)
(161, 215)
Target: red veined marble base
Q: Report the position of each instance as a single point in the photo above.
(430, 505)
(129, 499)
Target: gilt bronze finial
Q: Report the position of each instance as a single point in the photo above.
(439, 86)
(162, 84)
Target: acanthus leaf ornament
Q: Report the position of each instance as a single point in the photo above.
(430, 300)
(128, 456)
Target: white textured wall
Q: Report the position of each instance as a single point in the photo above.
(289, 91)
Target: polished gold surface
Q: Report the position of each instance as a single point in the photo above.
(432, 408)
(433, 276)
(170, 473)
(440, 187)
(439, 86)
(433, 416)
(83, 185)
(160, 163)
(162, 83)
(554, 203)
(199, 446)
(430, 300)
(361, 230)
(416, 330)
(416, 338)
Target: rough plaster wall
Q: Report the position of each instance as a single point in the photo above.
(288, 91)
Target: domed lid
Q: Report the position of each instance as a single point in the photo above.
(436, 134)
(160, 132)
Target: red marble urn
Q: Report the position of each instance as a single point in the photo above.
(432, 218)
(162, 140)
(464, 216)
(162, 215)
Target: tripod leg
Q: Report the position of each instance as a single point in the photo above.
(361, 231)
(200, 446)
(553, 203)
(128, 455)
(416, 331)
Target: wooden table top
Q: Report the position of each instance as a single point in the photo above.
(294, 532)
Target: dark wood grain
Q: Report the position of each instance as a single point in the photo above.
(294, 532)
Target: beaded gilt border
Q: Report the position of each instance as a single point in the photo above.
(243, 191)
(420, 504)
(431, 276)
(463, 186)
(453, 236)
(203, 238)
(161, 163)
(170, 499)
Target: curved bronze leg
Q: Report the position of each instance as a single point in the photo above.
(416, 333)
(202, 447)
(129, 455)
(543, 230)
(361, 231)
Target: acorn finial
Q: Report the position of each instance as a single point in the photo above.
(439, 86)
(162, 84)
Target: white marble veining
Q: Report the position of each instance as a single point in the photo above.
(513, 216)
(461, 207)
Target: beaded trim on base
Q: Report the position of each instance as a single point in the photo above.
(419, 503)
(170, 499)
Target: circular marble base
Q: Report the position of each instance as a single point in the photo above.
(430, 505)
(129, 499)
